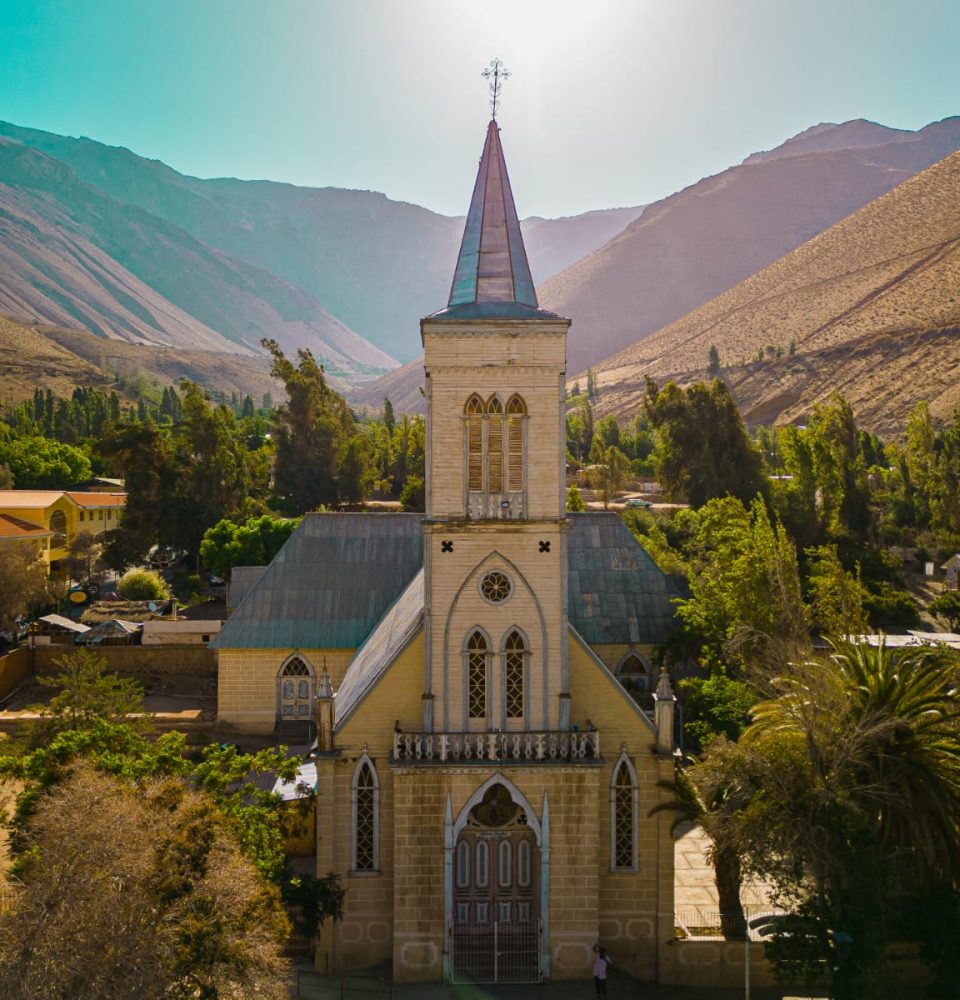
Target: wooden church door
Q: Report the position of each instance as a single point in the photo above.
(495, 935)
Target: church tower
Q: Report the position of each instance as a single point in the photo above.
(495, 530)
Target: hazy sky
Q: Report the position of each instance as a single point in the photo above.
(611, 102)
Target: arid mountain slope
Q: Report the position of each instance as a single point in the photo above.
(61, 359)
(871, 305)
(854, 134)
(692, 246)
(376, 264)
(71, 254)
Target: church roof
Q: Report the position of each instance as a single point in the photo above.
(398, 626)
(492, 279)
(329, 585)
(615, 592)
(336, 577)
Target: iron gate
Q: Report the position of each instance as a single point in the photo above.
(495, 953)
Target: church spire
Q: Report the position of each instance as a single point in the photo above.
(492, 267)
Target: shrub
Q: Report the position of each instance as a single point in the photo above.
(143, 585)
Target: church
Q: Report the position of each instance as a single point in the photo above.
(484, 778)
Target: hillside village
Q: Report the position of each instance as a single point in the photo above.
(618, 630)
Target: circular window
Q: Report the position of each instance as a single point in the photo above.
(496, 586)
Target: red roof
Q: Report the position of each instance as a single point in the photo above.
(16, 527)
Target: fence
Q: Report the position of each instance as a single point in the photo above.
(13, 668)
(694, 922)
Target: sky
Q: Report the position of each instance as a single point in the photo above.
(610, 102)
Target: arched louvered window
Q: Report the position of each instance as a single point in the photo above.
(623, 816)
(632, 666)
(477, 653)
(494, 445)
(366, 817)
(473, 412)
(514, 668)
(516, 415)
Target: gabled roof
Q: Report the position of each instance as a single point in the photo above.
(398, 626)
(329, 585)
(615, 592)
(17, 528)
(41, 499)
(493, 277)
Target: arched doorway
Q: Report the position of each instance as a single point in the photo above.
(496, 927)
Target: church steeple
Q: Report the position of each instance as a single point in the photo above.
(492, 276)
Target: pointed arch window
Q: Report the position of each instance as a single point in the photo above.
(495, 445)
(478, 665)
(516, 418)
(623, 816)
(514, 669)
(295, 689)
(632, 666)
(365, 834)
(473, 412)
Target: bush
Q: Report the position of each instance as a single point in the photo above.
(143, 585)
(887, 607)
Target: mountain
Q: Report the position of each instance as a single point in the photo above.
(871, 307)
(855, 134)
(73, 255)
(61, 359)
(688, 248)
(377, 265)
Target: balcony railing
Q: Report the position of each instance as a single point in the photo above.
(528, 747)
(497, 506)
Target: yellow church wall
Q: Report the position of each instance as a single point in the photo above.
(247, 682)
(613, 652)
(636, 907)
(364, 936)
(458, 607)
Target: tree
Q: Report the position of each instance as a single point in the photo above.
(86, 693)
(253, 543)
(703, 450)
(83, 556)
(413, 495)
(143, 585)
(24, 586)
(946, 608)
(611, 471)
(159, 900)
(574, 500)
(389, 420)
(713, 361)
(310, 432)
(854, 768)
(40, 464)
(836, 596)
(745, 605)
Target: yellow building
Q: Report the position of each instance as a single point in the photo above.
(60, 515)
(484, 779)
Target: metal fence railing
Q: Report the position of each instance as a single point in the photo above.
(708, 922)
(313, 986)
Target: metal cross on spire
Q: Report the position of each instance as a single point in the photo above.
(495, 74)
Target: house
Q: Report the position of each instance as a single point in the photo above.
(16, 531)
(484, 780)
(59, 516)
(952, 568)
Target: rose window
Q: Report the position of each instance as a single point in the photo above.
(496, 586)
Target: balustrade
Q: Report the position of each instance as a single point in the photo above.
(529, 747)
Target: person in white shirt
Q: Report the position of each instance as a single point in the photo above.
(600, 970)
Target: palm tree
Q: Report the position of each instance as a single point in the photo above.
(705, 796)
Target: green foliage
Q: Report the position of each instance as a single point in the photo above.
(703, 450)
(253, 543)
(887, 607)
(580, 430)
(143, 585)
(713, 706)
(311, 433)
(574, 500)
(745, 605)
(713, 361)
(610, 470)
(24, 586)
(836, 596)
(413, 495)
(946, 608)
(37, 463)
(87, 693)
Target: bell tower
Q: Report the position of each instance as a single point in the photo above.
(495, 528)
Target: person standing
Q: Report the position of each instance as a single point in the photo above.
(600, 970)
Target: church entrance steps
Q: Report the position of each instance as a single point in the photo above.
(526, 747)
